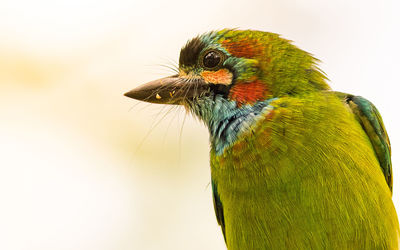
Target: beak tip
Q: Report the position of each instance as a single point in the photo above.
(131, 94)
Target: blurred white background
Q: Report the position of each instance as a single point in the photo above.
(83, 167)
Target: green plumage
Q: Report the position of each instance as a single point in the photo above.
(294, 165)
(318, 186)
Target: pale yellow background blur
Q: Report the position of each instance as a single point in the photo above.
(83, 167)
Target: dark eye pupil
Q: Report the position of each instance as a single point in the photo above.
(211, 59)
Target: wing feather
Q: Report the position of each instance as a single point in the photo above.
(219, 212)
(371, 121)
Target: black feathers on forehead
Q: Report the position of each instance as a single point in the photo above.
(191, 52)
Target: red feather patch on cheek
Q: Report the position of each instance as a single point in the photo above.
(248, 92)
(222, 76)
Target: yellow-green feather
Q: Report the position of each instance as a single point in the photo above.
(305, 177)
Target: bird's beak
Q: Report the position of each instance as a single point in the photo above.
(169, 90)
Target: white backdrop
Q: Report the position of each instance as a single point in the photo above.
(82, 167)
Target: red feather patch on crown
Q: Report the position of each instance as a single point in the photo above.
(249, 92)
(245, 47)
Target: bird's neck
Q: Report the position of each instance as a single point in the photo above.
(226, 121)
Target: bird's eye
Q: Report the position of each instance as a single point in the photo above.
(212, 59)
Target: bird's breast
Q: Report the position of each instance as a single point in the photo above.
(307, 171)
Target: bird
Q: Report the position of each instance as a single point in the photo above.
(294, 164)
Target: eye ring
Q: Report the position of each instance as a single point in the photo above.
(212, 59)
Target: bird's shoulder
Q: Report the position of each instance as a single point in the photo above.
(371, 121)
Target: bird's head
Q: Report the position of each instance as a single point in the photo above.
(222, 72)
(241, 66)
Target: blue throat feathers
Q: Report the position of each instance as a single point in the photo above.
(225, 121)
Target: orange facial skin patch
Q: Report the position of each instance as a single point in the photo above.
(222, 76)
(250, 92)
